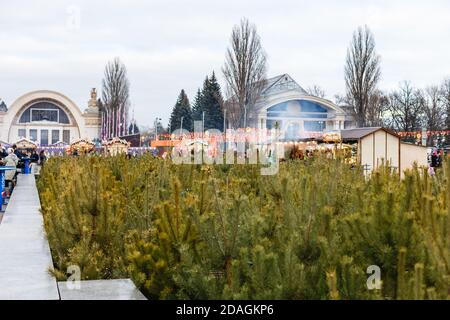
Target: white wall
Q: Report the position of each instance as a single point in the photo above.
(392, 150)
(410, 154)
(367, 151)
(14, 132)
(378, 147)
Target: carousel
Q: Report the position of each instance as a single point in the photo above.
(116, 146)
(80, 146)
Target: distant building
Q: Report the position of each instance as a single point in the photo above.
(48, 117)
(284, 103)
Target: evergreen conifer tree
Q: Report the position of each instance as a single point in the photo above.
(226, 232)
(213, 104)
(209, 100)
(181, 109)
(197, 107)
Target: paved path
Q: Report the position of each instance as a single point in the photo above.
(24, 251)
(25, 257)
(117, 289)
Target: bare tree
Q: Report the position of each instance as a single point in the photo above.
(405, 108)
(115, 99)
(445, 96)
(378, 103)
(362, 72)
(433, 109)
(316, 91)
(340, 99)
(244, 72)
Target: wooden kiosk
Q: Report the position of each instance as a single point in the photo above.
(116, 146)
(81, 146)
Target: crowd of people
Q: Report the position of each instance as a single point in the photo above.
(13, 157)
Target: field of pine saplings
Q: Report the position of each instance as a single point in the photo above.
(227, 232)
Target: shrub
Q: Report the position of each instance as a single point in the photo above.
(226, 232)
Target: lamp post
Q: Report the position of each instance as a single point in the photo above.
(203, 122)
(203, 130)
(181, 126)
(156, 127)
(245, 117)
(224, 120)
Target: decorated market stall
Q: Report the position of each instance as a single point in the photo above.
(81, 146)
(25, 145)
(116, 146)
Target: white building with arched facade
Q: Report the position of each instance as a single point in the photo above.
(285, 104)
(49, 117)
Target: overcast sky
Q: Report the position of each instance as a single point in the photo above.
(170, 45)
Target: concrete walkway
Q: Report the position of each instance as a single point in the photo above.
(113, 289)
(24, 251)
(25, 258)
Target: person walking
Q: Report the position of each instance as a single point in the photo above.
(42, 157)
(34, 162)
(34, 156)
(10, 161)
(17, 152)
(3, 153)
(434, 159)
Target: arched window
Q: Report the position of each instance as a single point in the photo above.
(297, 109)
(44, 111)
(312, 115)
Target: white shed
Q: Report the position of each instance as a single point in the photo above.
(377, 145)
